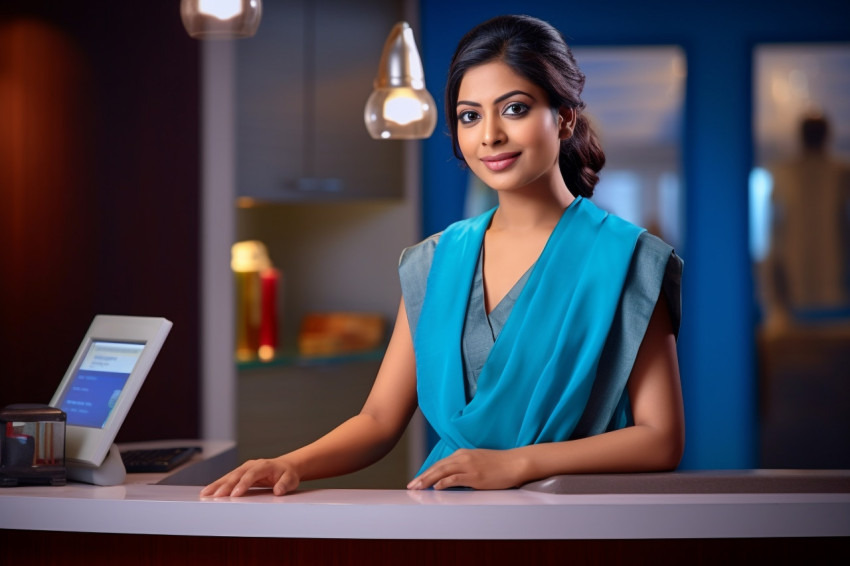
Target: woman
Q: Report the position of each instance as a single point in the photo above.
(584, 374)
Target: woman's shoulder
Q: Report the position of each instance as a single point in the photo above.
(414, 265)
(647, 244)
(653, 243)
(650, 246)
(656, 262)
(458, 229)
(422, 251)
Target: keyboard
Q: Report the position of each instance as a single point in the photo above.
(156, 460)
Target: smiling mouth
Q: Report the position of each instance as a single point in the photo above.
(501, 161)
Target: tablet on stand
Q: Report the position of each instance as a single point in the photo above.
(99, 388)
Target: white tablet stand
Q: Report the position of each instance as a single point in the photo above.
(99, 388)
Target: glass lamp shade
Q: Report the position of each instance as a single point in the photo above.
(221, 19)
(400, 107)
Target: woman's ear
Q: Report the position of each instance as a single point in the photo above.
(566, 122)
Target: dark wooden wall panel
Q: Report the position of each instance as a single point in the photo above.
(99, 195)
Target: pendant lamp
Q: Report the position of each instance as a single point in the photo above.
(399, 106)
(221, 19)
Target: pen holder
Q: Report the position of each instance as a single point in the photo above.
(32, 445)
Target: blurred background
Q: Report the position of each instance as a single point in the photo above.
(132, 157)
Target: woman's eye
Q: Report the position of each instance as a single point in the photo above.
(515, 109)
(467, 116)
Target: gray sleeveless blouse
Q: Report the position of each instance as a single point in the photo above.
(481, 330)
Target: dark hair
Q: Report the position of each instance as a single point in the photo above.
(538, 52)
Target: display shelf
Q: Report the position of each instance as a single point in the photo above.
(292, 358)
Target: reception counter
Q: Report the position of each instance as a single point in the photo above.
(684, 515)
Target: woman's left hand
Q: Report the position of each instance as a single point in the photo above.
(477, 468)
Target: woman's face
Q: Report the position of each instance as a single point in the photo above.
(506, 130)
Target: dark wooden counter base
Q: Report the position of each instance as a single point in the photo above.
(36, 548)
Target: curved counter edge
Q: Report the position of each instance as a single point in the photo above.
(402, 514)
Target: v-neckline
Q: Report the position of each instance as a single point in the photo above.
(518, 283)
(523, 277)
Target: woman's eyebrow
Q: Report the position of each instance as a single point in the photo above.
(498, 100)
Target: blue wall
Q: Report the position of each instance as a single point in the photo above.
(716, 343)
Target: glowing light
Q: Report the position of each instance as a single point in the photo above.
(266, 353)
(402, 106)
(221, 9)
(221, 19)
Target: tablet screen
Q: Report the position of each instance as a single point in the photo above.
(102, 382)
(99, 381)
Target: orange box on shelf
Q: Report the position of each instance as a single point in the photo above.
(328, 334)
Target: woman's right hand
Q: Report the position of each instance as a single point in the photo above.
(356, 443)
(277, 473)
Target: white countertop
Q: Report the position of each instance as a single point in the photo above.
(738, 504)
(401, 514)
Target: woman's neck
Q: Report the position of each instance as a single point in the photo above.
(529, 210)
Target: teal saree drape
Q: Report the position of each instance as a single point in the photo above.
(539, 382)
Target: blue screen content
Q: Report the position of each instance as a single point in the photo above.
(99, 381)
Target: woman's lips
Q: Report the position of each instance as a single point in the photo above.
(501, 161)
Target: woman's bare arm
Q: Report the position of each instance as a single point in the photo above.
(358, 442)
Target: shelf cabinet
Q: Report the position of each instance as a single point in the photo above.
(302, 83)
(282, 408)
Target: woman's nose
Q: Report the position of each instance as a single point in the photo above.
(493, 133)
